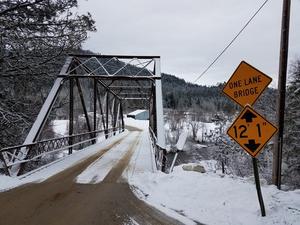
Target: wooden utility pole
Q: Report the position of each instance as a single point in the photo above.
(283, 61)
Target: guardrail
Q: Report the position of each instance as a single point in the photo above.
(159, 152)
(14, 155)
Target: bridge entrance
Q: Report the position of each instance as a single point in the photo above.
(104, 88)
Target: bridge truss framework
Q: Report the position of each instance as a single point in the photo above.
(116, 80)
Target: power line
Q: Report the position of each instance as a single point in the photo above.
(231, 42)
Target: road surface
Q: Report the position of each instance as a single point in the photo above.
(61, 201)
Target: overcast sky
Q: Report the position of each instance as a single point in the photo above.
(188, 34)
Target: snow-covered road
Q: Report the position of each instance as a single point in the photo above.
(90, 191)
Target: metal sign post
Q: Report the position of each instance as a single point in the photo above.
(258, 189)
(252, 131)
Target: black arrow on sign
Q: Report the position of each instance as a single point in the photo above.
(251, 145)
(248, 116)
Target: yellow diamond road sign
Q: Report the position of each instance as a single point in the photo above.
(246, 84)
(251, 131)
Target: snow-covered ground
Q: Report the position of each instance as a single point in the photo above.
(140, 124)
(205, 131)
(190, 197)
(212, 198)
(60, 127)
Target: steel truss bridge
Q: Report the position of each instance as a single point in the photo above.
(114, 81)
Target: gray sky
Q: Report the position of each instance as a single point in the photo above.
(188, 34)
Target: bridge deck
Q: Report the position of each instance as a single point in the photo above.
(60, 200)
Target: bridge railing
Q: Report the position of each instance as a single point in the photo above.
(159, 152)
(11, 156)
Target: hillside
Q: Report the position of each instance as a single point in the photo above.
(179, 94)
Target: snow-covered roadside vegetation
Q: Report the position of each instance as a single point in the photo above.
(214, 198)
(207, 140)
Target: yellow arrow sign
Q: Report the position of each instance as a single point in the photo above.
(251, 131)
(246, 84)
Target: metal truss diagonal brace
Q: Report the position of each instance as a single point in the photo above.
(47, 106)
(42, 116)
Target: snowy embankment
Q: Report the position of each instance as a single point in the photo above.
(57, 166)
(212, 198)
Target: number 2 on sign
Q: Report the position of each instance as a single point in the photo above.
(243, 129)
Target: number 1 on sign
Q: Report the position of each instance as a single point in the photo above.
(258, 129)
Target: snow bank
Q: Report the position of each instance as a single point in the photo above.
(140, 124)
(7, 182)
(210, 199)
(60, 127)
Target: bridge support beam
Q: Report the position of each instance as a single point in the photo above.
(95, 106)
(71, 114)
(160, 129)
(122, 117)
(84, 107)
(101, 108)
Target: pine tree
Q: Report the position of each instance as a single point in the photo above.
(36, 36)
(291, 150)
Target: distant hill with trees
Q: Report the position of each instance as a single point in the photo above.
(179, 94)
